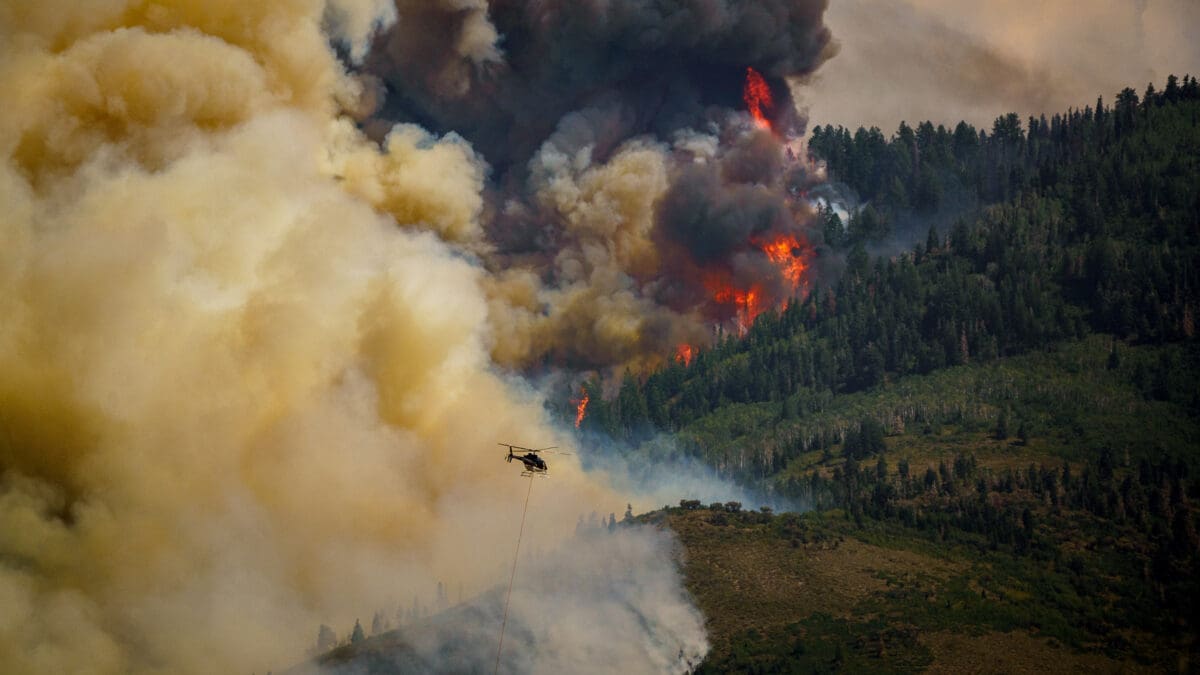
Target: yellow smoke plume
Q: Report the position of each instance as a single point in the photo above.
(245, 384)
(601, 311)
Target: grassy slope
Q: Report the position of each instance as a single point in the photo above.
(814, 593)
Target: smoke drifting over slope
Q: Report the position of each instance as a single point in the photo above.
(562, 604)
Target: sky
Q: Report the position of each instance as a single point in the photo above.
(946, 60)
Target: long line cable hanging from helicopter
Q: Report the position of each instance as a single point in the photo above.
(513, 576)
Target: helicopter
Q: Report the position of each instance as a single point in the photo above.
(534, 465)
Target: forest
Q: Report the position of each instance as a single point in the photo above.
(1085, 224)
(1015, 393)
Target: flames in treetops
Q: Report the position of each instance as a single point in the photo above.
(746, 302)
(684, 354)
(580, 406)
(786, 252)
(762, 271)
(757, 95)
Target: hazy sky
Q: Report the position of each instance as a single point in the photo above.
(947, 60)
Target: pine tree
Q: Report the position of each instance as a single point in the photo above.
(357, 635)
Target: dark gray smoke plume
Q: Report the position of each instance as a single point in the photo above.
(641, 67)
(626, 174)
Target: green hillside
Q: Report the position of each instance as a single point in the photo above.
(1001, 517)
(1096, 232)
(1072, 402)
(997, 431)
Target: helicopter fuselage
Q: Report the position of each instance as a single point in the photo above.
(532, 462)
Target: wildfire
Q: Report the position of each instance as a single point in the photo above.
(747, 302)
(757, 95)
(580, 407)
(684, 354)
(784, 251)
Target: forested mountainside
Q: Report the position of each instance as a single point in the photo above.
(997, 429)
(1086, 224)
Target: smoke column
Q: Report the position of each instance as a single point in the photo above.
(273, 274)
(245, 374)
(632, 186)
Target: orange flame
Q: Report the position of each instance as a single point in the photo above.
(784, 251)
(684, 354)
(757, 95)
(580, 407)
(747, 302)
